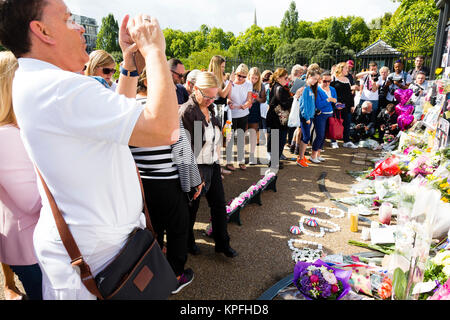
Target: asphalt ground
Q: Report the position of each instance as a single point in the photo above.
(262, 239)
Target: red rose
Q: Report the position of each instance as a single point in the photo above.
(334, 288)
(314, 278)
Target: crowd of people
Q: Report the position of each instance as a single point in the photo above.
(66, 123)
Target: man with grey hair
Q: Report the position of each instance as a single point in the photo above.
(363, 123)
(190, 80)
(296, 74)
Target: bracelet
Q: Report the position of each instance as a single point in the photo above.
(127, 73)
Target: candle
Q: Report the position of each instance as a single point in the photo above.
(353, 213)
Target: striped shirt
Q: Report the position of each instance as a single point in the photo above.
(155, 162)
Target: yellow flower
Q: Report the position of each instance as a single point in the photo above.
(444, 199)
(448, 191)
(444, 185)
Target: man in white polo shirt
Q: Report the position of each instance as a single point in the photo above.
(77, 132)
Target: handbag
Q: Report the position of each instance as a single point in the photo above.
(283, 115)
(294, 115)
(140, 271)
(335, 127)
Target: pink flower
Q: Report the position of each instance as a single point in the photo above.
(334, 288)
(314, 278)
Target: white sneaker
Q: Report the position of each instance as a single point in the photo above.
(320, 159)
(350, 145)
(334, 145)
(314, 160)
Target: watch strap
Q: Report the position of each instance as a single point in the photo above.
(128, 73)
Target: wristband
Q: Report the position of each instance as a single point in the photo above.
(127, 73)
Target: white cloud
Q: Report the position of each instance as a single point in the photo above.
(230, 15)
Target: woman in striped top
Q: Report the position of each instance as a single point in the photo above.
(168, 174)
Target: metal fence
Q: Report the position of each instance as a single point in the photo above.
(327, 59)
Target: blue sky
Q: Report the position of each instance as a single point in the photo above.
(230, 15)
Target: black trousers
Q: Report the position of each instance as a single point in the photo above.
(169, 213)
(215, 196)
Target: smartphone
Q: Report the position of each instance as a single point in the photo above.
(232, 69)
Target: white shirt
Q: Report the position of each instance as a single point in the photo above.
(367, 94)
(238, 96)
(76, 131)
(393, 87)
(209, 154)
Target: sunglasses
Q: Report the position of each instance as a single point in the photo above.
(242, 77)
(206, 97)
(326, 81)
(108, 70)
(178, 74)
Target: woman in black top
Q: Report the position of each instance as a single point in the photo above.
(344, 96)
(198, 109)
(280, 102)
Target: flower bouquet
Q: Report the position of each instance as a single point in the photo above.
(317, 280)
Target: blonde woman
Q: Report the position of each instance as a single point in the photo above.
(102, 64)
(20, 203)
(254, 117)
(199, 109)
(239, 101)
(217, 67)
(345, 102)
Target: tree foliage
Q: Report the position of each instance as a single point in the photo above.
(289, 24)
(108, 35)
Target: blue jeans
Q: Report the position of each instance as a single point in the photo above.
(306, 130)
(31, 278)
(320, 124)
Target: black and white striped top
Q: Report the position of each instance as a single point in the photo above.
(155, 162)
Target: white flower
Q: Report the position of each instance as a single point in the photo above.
(329, 277)
(446, 270)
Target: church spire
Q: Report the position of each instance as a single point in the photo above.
(255, 22)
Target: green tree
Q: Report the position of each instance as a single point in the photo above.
(336, 32)
(222, 39)
(289, 24)
(200, 59)
(108, 35)
(358, 34)
(320, 28)
(304, 29)
(308, 50)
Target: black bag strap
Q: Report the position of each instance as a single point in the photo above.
(69, 243)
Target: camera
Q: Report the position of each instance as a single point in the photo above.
(375, 77)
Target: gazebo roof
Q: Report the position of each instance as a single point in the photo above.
(379, 48)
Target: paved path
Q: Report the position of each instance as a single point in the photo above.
(264, 256)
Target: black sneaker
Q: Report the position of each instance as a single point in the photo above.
(185, 279)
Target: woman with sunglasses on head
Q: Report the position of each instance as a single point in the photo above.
(101, 64)
(325, 100)
(206, 146)
(239, 101)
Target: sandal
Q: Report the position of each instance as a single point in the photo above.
(230, 167)
(242, 166)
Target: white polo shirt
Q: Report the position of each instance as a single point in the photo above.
(76, 131)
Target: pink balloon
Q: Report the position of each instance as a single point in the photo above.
(402, 109)
(404, 121)
(403, 95)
